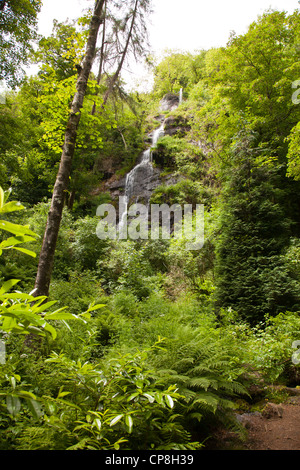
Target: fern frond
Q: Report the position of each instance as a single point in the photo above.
(202, 382)
(206, 401)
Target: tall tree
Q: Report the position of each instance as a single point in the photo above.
(252, 276)
(18, 27)
(47, 253)
(127, 37)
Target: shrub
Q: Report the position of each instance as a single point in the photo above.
(112, 405)
(86, 247)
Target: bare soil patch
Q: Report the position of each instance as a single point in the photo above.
(277, 428)
(274, 427)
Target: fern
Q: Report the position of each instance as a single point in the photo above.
(201, 368)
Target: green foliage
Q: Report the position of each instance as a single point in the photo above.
(60, 52)
(77, 291)
(254, 233)
(37, 221)
(228, 312)
(87, 248)
(18, 27)
(113, 405)
(21, 313)
(128, 268)
(293, 153)
(55, 100)
(177, 70)
(257, 72)
(166, 150)
(270, 348)
(183, 192)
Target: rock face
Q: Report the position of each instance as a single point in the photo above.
(169, 102)
(139, 184)
(146, 179)
(176, 125)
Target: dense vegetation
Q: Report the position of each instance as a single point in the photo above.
(141, 343)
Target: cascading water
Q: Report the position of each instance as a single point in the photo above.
(141, 174)
(180, 95)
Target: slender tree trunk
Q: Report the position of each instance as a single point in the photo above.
(46, 259)
(71, 199)
(101, 56)
(124, 53)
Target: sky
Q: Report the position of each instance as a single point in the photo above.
(188, 25)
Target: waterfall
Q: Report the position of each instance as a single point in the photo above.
(180, 95)
(141, 172)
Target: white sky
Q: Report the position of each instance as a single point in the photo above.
(187, 25)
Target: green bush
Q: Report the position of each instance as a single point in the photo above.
(270, 348)
(78, 291)
(127, 268)
(86, 247)
(112, 405)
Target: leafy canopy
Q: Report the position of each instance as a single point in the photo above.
(18, 28)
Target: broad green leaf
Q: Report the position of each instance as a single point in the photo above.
(13, 404)
(93, 307)
(116, 419)
(11, 207)
(6, 195)
(8, 324)
(129, 422)
(97, 423)
(13, 381)
(63, 394)
(15, 228)
(60, 315)
(34, 407)
(12, 241)
(8, 285)
(169, 401)
(41, 307)
(159, 398)
(18, 296)
(26, 251)
(1, 197)
(134, 395)
(50, 329)
(26, 394)
(150, 397)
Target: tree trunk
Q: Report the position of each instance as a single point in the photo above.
(124, 53)
(46, 259)
(71, 199)
(101, 56)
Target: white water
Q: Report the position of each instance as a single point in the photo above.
(145, 167)
(180, 96)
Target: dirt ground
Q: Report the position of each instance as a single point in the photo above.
(277, 430)
(275, 427)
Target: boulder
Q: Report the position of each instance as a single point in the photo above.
(169, 102)
(176, 125)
